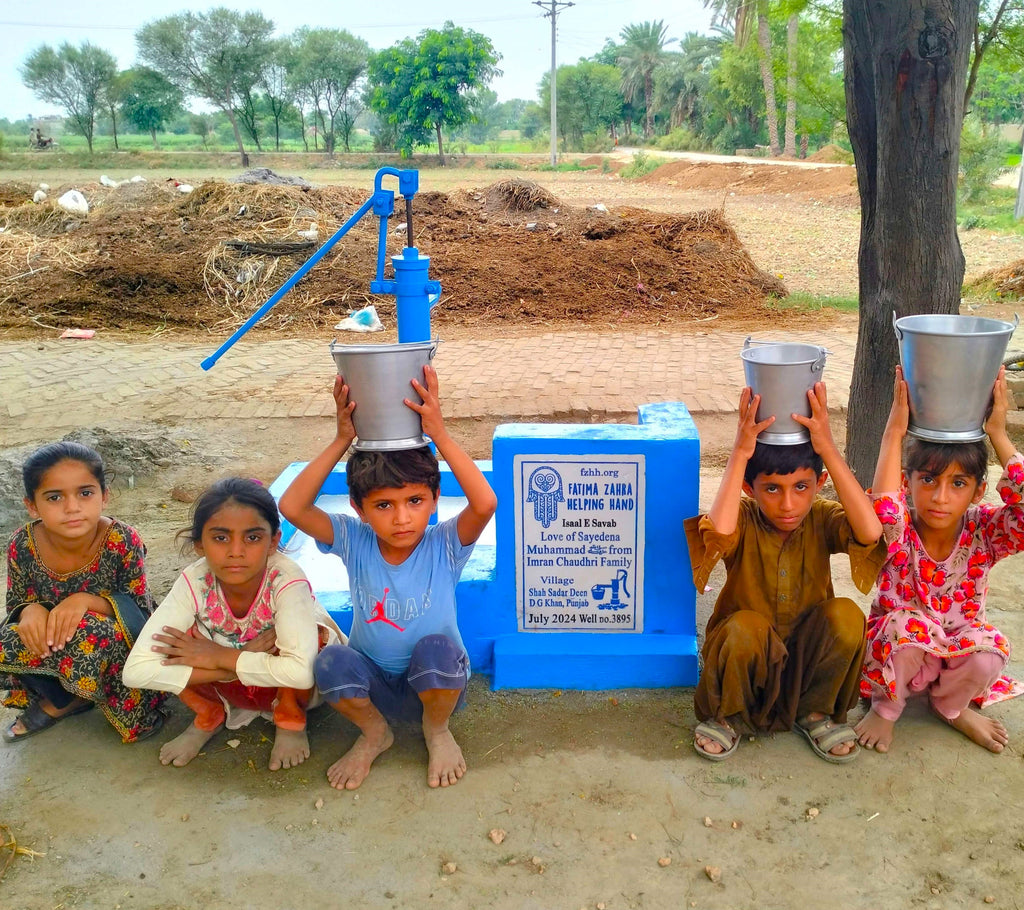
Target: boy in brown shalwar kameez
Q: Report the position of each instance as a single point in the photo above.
(781, 651)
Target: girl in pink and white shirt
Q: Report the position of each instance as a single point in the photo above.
(237, 634)
(927, 630)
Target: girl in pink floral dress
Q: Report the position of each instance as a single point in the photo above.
(236, 636)
(927, 631)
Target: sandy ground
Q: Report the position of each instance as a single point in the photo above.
(591, 789)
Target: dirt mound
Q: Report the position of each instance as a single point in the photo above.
(1007, 281)
(832, 154)
(832, 184)
(149, 256)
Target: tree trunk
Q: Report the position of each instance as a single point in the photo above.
(648, 105)
(764, 57)
(906, 67)
(238, 135)
(113, 127)
(792, 27)
(440, 146)
(152, 133)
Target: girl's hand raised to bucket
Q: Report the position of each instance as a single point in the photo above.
(899, 413)
(995, 423)
(430, 410)
(346, 429)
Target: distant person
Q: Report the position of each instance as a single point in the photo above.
(237, 635)
(405, 659)
(927, 631)
(76, 598)
(781, 651)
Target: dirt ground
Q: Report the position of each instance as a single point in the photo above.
(591, 789)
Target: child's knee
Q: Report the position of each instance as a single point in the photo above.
(438, 662)
(340, 672)
(846, 623)
(744, 632)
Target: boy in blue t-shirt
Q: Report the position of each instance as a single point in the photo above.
(405, 658)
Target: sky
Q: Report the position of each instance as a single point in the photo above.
(518, 30)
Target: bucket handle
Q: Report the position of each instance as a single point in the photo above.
(896, 328)
(818, 364)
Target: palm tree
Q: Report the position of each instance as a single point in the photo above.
(743, 15)
(638, 58)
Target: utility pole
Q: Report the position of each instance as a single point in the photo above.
(553, 8)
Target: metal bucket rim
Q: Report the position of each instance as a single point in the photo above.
(1004, 328)
(820, 352)
(396, 348)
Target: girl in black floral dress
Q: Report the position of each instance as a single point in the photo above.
(76, 599)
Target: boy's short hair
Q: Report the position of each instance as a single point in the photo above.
(769, 459)
(928, 457)
(369, 471)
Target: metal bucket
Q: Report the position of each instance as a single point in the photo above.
(950, 363)
(378, 377)
(781, 373)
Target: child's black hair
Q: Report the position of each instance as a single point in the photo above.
(769, 459)
(369, 471)
(933, 458)
(45, 457)
(240, 490)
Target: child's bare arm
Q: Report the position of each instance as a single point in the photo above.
(995, 426)
(859, 511)
(725, 510)
(298, 502)
(482, 502)
(889, 467)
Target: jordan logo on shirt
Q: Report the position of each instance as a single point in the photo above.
(378, 612)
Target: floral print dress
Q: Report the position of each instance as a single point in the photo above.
(90, 665)
(939, 606)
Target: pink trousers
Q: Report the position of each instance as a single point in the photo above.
(951, 683)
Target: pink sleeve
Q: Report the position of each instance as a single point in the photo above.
(892, 512)
(1003, 527)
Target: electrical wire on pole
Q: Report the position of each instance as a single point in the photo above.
(552, 9)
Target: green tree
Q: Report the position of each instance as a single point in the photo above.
(641, 52)
(588, 100)
(1000, 24)
(423, 84)
(73, 77)
(215, 56)
(328, 66)
(278, 92)
(682, 84)
(148, 100)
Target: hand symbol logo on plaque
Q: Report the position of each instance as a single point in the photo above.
(545, 492)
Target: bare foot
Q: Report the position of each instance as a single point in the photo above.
(186, 745)
(985, 731)
(874, 731)
(445, 764)
(349, 771)
(291, 748)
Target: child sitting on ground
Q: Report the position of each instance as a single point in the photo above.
(781, 651)
(927, 630)
(237, 634)
(76, 599)
(405, 658)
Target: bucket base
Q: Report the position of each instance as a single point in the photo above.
(389, 445)
(946, 435)
(784, 439)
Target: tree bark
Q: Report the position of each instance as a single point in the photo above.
(764, 57)
(792, 28)
(906, 68)
(440, 145)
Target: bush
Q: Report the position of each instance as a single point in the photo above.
(981, 161)
(503, 164)
(642, 164)
(597, 143)
(679, 140)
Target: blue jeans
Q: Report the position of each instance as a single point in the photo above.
(436, 663)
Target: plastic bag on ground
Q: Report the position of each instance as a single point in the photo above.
(364, 320)
(73, 201)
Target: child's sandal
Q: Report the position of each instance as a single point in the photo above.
(727, 738)
(824, 735)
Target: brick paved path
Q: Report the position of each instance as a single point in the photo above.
(53, 385)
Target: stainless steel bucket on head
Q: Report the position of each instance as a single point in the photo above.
(379, 377)
(781, 372)
(950, 363)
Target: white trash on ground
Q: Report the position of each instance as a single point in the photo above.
(73, 201)
(106, 181)
(364, 320)
(38, 196)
